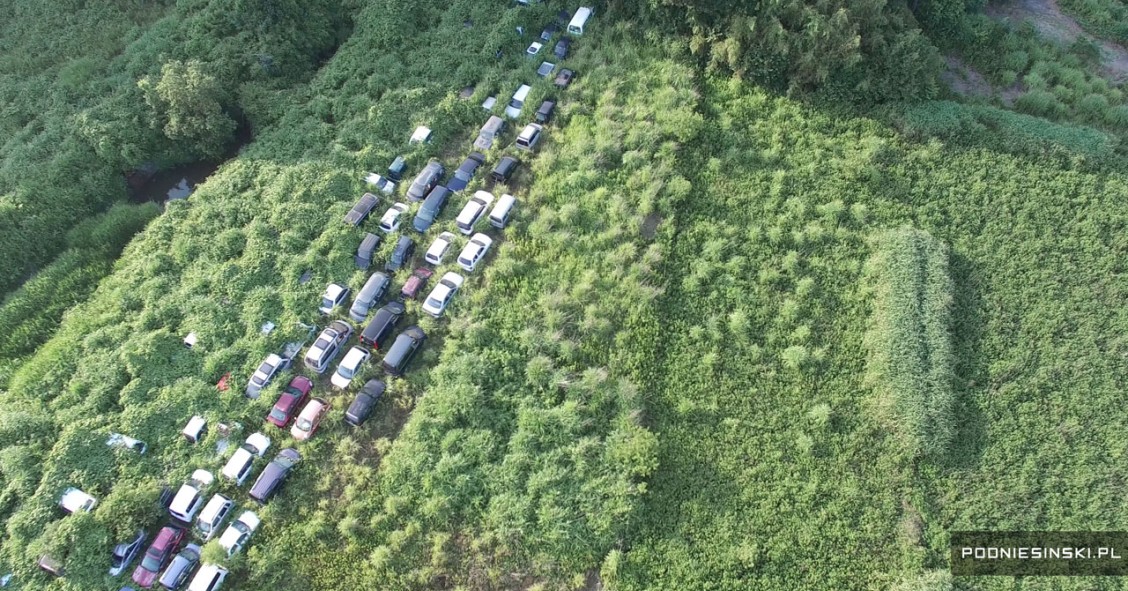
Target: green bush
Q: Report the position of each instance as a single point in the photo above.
(910, 358)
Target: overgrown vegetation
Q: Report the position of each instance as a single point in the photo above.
(658, 379)
(30, 315)
(909, 361)
(1106, 18)
(75, 119)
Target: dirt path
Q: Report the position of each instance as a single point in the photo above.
(1052, 23)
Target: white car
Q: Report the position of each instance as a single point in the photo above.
(534, 48)
(440, 297)
(334, 296)
(265, 372)
(74, 500)
(239, 532)
(473, 211)
(390, 222)
(239, 466)
(474, 251)
(438, 248)
(328, 343)
(349, 366)
(189, 498)
(208, 578)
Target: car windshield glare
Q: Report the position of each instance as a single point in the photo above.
(304, 424)
(326, 303)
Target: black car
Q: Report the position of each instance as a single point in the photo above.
(397, 168)
(431, 208)
(273, 474)
(544, 113)
(385, 319)
(465, 171)
(561, 49)
(505, 169)
(400, 353)
(426, 180)
(405, 247)
(366, 400)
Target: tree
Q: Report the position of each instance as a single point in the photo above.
(187, 104)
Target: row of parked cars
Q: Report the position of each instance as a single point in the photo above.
(172, 558)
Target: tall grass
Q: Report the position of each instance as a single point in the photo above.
(908, 340)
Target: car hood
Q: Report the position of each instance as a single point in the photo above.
(143, 577)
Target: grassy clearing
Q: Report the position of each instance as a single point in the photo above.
(772, 474)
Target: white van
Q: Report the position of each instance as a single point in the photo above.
(209, 578)
(513, 109)
(576, 27)
(213, 515)
(501, 212)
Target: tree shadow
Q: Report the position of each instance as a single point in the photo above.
(970, 369)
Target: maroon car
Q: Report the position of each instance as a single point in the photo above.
(157, 556)
(416, 282)
(292, 399)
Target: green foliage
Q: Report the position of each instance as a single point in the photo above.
(655, 381)
(75, 118)
(865, 52)
(30, 315)
(908, 341)
(188, 104)
(1105, 18)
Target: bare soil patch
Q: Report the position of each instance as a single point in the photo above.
(1050, 22)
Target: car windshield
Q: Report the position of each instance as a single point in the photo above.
(322, 344)
(345, 372)
(277, 414)
(152, 562)
(242, 527)
(326, 303)
(434, 303)
(258, 380)
(203, 526)
(304, 424)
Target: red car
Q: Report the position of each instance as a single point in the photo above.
(416, 283)
(157, 556)
(290, 401)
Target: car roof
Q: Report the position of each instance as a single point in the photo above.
(312, 408)
(216, 501)
(250, 518)
(373, 388)
(259, 440)
(403, 242)
(183, 498)
(354, 356)
(165, 536)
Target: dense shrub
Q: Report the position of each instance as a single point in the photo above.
(909, 343)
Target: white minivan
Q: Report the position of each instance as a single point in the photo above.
(576, 27)
(513, 109)
(501, 212)
(213, 515)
